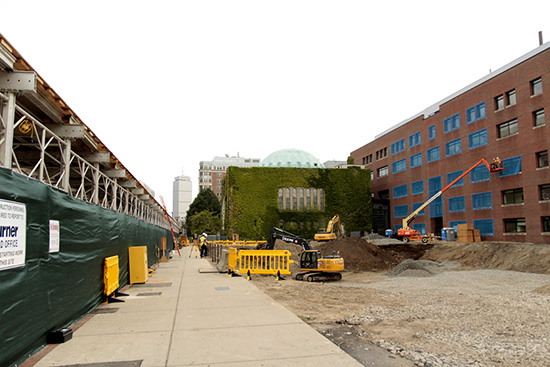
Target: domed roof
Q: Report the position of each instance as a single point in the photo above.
(291, 158)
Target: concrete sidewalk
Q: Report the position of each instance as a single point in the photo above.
(182, 317)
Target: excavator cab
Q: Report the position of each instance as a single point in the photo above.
(308, 260)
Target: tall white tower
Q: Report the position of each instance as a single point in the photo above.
(182, 195)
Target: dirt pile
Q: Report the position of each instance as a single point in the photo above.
(358, 254)
(528, 258)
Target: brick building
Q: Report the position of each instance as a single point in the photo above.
(501, 115)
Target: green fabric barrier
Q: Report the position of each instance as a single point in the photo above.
(52, 290)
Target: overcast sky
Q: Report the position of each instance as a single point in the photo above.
(167, 84)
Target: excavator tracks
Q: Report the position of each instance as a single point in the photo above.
(315, 276)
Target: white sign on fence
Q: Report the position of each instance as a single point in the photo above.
(13, 234)
(54, 236)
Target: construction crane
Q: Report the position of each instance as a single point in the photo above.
(407, 234)
(329, 234)
(313, 266)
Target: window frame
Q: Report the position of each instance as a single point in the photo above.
(431, 129)
(499, 102)
(478, 135)
(429, 152)
(404, 188)
(542, 159)
(457, 204)
(413, 160)
(398, 147)
(513, 194)
(479, 112)
(451, 178)
(399, 166)
(385, 169)
(413, 184)
(511, 128)
(481, 223)
(483, 196)
(515, 222)
(415, 139)
(451, 124)
(544, 192)
(511, 98)
(538, 116)
(455, 151)
(400, 208)
(536, 86)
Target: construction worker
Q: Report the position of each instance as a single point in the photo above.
(203, 243)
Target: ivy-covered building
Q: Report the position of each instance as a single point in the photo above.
(299, 200)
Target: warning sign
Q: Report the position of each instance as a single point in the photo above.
(13, 225)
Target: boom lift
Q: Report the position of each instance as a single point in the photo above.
(329, 234)
(313, 266)
(408, 234)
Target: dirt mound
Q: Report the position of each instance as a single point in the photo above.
(494, 255)
(358, 254)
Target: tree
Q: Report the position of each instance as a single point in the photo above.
(204, 214)
(206, 200)
(351, 160)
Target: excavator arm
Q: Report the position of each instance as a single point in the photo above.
(279, 234)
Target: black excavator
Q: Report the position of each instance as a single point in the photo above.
(313, 266)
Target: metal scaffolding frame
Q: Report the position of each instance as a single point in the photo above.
(43, 139)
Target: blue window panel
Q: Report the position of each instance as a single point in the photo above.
(416, 206)
(452, 176)
(455, 224)
(478, 139)
(399, 166)
(431, 132)
(400, 191)
(401, 211)
(512, 166)
(482, 200)
(476, 113)
(433, 154)
(415, 139)
(453, 147)
(417, 187)
(398, 146)
(416, 160)
(457, 204)
(421, 227)
(436, 207)
(480, 174)
(451, 124)
(396, 227)
(486, 226)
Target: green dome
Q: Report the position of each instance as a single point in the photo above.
(291, 158)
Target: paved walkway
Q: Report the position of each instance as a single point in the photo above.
(182, 317)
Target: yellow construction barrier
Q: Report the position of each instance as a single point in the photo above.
(110, 275)
(237, 243)
(270, 262)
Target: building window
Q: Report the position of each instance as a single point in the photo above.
(545, 224)
(367, 159)
(455, 224)
(382, 171)
(400, 211)
(454, 175)
(513, 196)
(416, 160)
(536, 86)
(512, 166)
(436, 207)
(416, 206)
(477, 139)
(508, 128)
(433, 154)
(420, 227)
(453, 147)
(293, 199)
(544, 192)
(415, 139)
(480, 174)
(452, 123)
(398, 147)
(499, 102)
(482, 201)
(538, 118)
(400, 191)
(417, 187)
(542, 159)
(382, 153)
(431, 132)
(476, 113)
(399, 166)
(515, 225)
(511, 97)
(457, 204)
(486, 226)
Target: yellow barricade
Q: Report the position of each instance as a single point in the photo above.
(271, 262)
(237, 243)
(110, 275)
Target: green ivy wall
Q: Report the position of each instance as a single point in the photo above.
(251, 200)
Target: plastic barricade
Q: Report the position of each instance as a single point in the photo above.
(268, 262)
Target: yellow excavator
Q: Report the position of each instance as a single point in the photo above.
(329, 234)
(314, 267)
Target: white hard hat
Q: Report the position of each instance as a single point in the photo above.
(204, 234)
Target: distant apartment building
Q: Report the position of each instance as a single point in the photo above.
(182, 197)
(501, 115)
(212, 173)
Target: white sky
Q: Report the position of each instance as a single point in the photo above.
(167, 84)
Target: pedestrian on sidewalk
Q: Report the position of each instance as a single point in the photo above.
(203, 242)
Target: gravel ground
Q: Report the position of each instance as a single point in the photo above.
(460, 318)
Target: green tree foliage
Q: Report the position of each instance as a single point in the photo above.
(205, 221)
(205, 202)
(351, 160)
